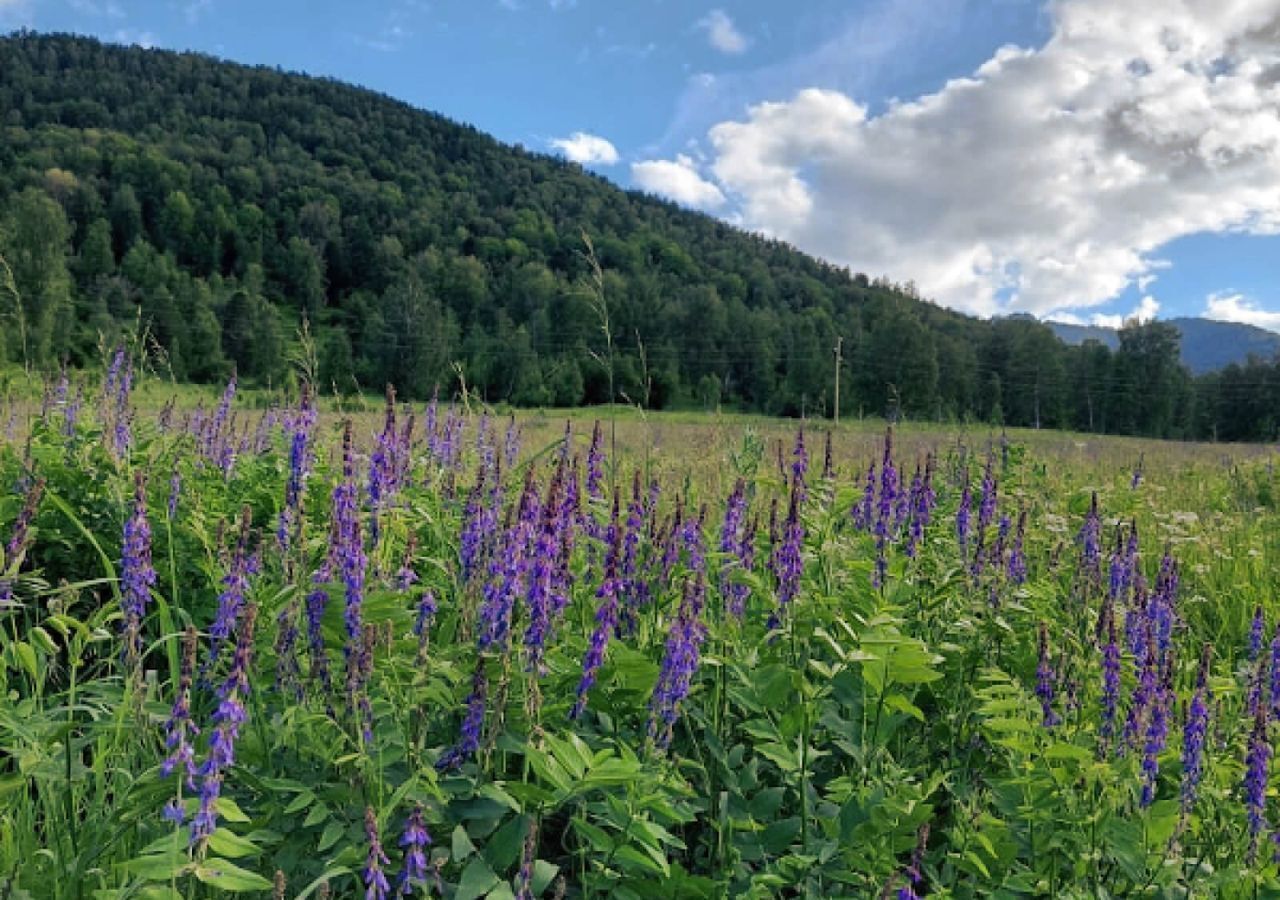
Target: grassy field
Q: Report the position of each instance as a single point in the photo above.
(445, 652)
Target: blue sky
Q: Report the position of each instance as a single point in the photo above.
(1005, 155)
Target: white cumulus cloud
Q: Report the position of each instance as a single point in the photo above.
(722, 34)
(1229, 306)
(586, 148)
(677, 180)
(1144, 312)
(1045, 180)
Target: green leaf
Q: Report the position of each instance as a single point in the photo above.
(462, 846)
(477, 880)
(330, 836)
(228, 877)
(316, 815)
(227, 843)
(159, 867)
(543, 874)
(300, 802)
(229, 810)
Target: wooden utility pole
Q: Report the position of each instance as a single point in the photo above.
(839, 361)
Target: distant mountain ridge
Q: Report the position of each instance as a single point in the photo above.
(1207, 345)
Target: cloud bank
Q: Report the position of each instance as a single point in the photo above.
(1044, 181)
(1229, 306)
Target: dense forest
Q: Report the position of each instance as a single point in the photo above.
(223, 211)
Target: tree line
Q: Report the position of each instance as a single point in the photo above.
(218, 207)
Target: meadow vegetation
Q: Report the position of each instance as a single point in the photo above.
(437, 651)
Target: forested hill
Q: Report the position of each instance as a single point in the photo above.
(221, 205)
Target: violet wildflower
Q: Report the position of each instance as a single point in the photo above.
(288, 672)
(116, 412)
(1145, 692)
(137, 576)
(382, 466)
(731, 545)
(1256, 761)
(738, 593)
(1120, 575)
(507, 571)
(215, 432)
(1017, 568)
(1089, 539)
(1157, 733)
(422, 623)
(1045, 680)
(914, 872)
(415, 840)
(235, 588)
(1256, 629)
(528, 858)
(179, 729)
(799, 465)
(300, 452)
(225, 730)
(1110, 678)
(472, 722)
(1137, 474)
(828, 466)
(789, 561)
(475, 530)
(19, 537)
(1161, 607)
(175, 492)
(863, 509)
(540, 587)
(1255, 694)
(692, 539)
(630, 584)
(349, 551)
(963, 513)
(316, 603)
(1275, 674)
(71, 413)
(375, 880)
(606, 625)
(595, 463)
(680, 662)
(990, 492)
(511, 443)
(1194, 733)
(566, 519)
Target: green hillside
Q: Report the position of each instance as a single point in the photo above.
(216, 206)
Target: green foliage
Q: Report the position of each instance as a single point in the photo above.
(806, 758)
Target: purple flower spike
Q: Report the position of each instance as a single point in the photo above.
(1256, 629)
(137, 576)
(472, 722)
(415, 840)
(1194, 733)
(1045, 679)
(679, 664)
(1256, 761)
(375, 880)
(1110, 679)
(227, 719)
(606, 625)
(179, 729)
